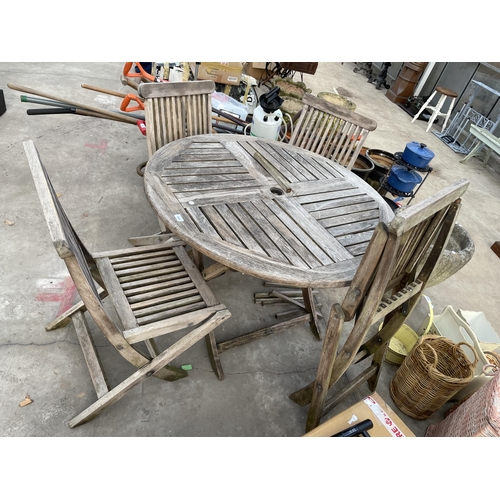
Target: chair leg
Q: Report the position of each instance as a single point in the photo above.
(198, 259)
(424, 106)
(173, 373)
(214, 271)
(436, 112)
(326, 362)
(447, 117)
(94, 366)
(213, 355)
(309, 306)
(151, 368)
(377, 361)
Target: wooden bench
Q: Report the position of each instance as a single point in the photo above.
(486, 138)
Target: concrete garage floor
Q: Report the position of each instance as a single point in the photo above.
(92, 165)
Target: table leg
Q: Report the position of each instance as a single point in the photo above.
(310, 307)
(472, 153)
(486, 157)
(197, 259)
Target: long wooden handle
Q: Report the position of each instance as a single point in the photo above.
(85, 112)
(110, 114)
(107, 91)
(103, 91)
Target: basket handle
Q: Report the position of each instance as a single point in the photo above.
(431, 314)
(434, 354)
(494, 369)
(494, 355)
(476, 359)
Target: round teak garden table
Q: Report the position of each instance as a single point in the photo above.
(266, 209)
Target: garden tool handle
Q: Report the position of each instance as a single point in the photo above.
(142, 73)
(103, 91)
(357, 429)
(142, 126)
(126, 102)
(50, 111)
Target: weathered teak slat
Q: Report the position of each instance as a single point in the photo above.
(387, 286)
(156, 290)
(266, 209)
(331, 131)
(174, 110)
(246, 219)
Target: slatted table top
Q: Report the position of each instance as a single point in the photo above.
(264, 208)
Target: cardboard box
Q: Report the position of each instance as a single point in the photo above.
(257, 72)
(386, 423)
(228, 73)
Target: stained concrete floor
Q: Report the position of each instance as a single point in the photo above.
(92, 165)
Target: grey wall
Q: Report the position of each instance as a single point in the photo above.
(457, 76)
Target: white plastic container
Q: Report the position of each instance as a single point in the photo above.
(450, 325)
(266, 125)
(487, 336)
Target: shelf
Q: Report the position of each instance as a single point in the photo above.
(402, 163)
(390, 189)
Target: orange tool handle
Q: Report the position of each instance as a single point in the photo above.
(131, 74)
(126, 102)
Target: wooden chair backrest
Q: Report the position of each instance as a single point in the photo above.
(393, 274)
(387, 285)
(331, 131)
(175, 110)
(64, 237)
(399, 254)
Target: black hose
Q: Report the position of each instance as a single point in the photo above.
(50, 111)
(228, 129)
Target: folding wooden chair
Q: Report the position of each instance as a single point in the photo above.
(173, 110)
(331, 131)
(388, 285)
(155, 289)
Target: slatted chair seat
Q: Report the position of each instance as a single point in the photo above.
(331, 131)
(387, 286)
(155, 289)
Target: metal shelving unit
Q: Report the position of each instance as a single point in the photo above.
(388, 188)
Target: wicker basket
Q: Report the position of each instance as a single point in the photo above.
(433, 372)
(477, 416)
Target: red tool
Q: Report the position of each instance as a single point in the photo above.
(142, 126)
(142, 72)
